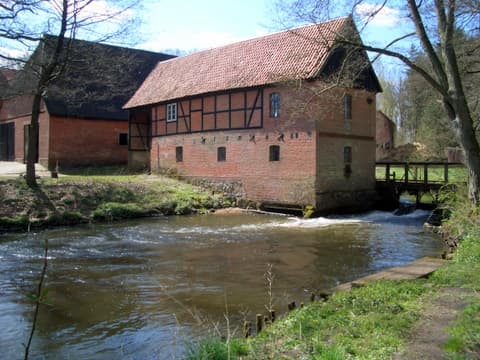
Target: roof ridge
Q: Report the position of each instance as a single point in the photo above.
(260, 37)
(109, 45)
(296, 53)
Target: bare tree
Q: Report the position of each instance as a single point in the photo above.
(432, 25)
(20, 21)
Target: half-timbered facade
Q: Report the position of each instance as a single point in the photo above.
(263, 115)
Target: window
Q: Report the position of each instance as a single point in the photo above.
(347, 159)
(274, 105)
(221, 153)
(347, 107)
(123, 139)
(347, 154)
(179, 153)
(172, 112)
(274, 153)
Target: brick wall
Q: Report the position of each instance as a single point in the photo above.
(289, 180)
(346, 184)
(311, 133)
(86, 142)
(385, 130)
(18, 110)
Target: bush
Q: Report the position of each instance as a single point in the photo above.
(115, 211)
(20, 222)
(65, 218)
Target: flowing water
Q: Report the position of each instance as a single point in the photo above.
(144, 289)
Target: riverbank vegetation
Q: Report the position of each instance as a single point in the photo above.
(89, 196)
(379, 320)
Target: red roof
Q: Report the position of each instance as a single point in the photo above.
(292, 54)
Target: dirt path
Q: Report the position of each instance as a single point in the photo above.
(430, 333)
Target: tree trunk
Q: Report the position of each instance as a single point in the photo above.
(471, 148)
(32, 151)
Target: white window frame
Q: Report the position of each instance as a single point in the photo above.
(275, 105)
(171, 112)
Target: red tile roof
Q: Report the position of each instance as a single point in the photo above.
(292, 54)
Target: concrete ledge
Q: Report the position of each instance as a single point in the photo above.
(420, 268)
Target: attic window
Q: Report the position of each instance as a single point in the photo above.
(171, 112)
(274, 105)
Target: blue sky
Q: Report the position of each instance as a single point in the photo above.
(200, 24)
(190, 24)
(184, 26)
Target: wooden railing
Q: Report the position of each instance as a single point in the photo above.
(420, 172)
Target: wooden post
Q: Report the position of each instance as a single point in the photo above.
(259, 323)
(247, 329)
(272, 316)
(387, 172)
(425, 173)
(445, 172)
(406, 173)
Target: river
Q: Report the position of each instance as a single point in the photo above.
(145, 289)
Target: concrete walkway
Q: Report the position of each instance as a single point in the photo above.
(15, 169)
(417, 269)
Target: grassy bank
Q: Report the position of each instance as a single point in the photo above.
(93, 197)
(380, 320)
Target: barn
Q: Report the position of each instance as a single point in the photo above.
(82, 122)
(287, 119)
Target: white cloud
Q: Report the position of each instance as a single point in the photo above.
(103, 9)
(377, 15)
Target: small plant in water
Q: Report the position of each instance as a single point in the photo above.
(269, 276)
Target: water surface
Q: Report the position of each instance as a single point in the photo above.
(143, 289)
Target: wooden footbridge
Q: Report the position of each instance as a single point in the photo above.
(414, 178)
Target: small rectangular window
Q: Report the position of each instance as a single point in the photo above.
(347, 154)
(274, 153)
(221, 153)
(179, 153)
(123, 139)
(171, 112)
(274, 105)
(347, 107)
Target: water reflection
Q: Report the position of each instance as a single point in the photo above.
(141, 289)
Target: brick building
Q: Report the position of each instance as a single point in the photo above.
(262, 114)
(82, 122)
(385, 135)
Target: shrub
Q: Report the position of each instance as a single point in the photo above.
(114, 211)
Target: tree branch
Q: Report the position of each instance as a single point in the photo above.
(427, 45)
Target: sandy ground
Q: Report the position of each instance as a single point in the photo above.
(14, 169)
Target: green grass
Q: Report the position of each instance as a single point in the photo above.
(216, 349)
(456, 173)
(368, 323)
(81, 198)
